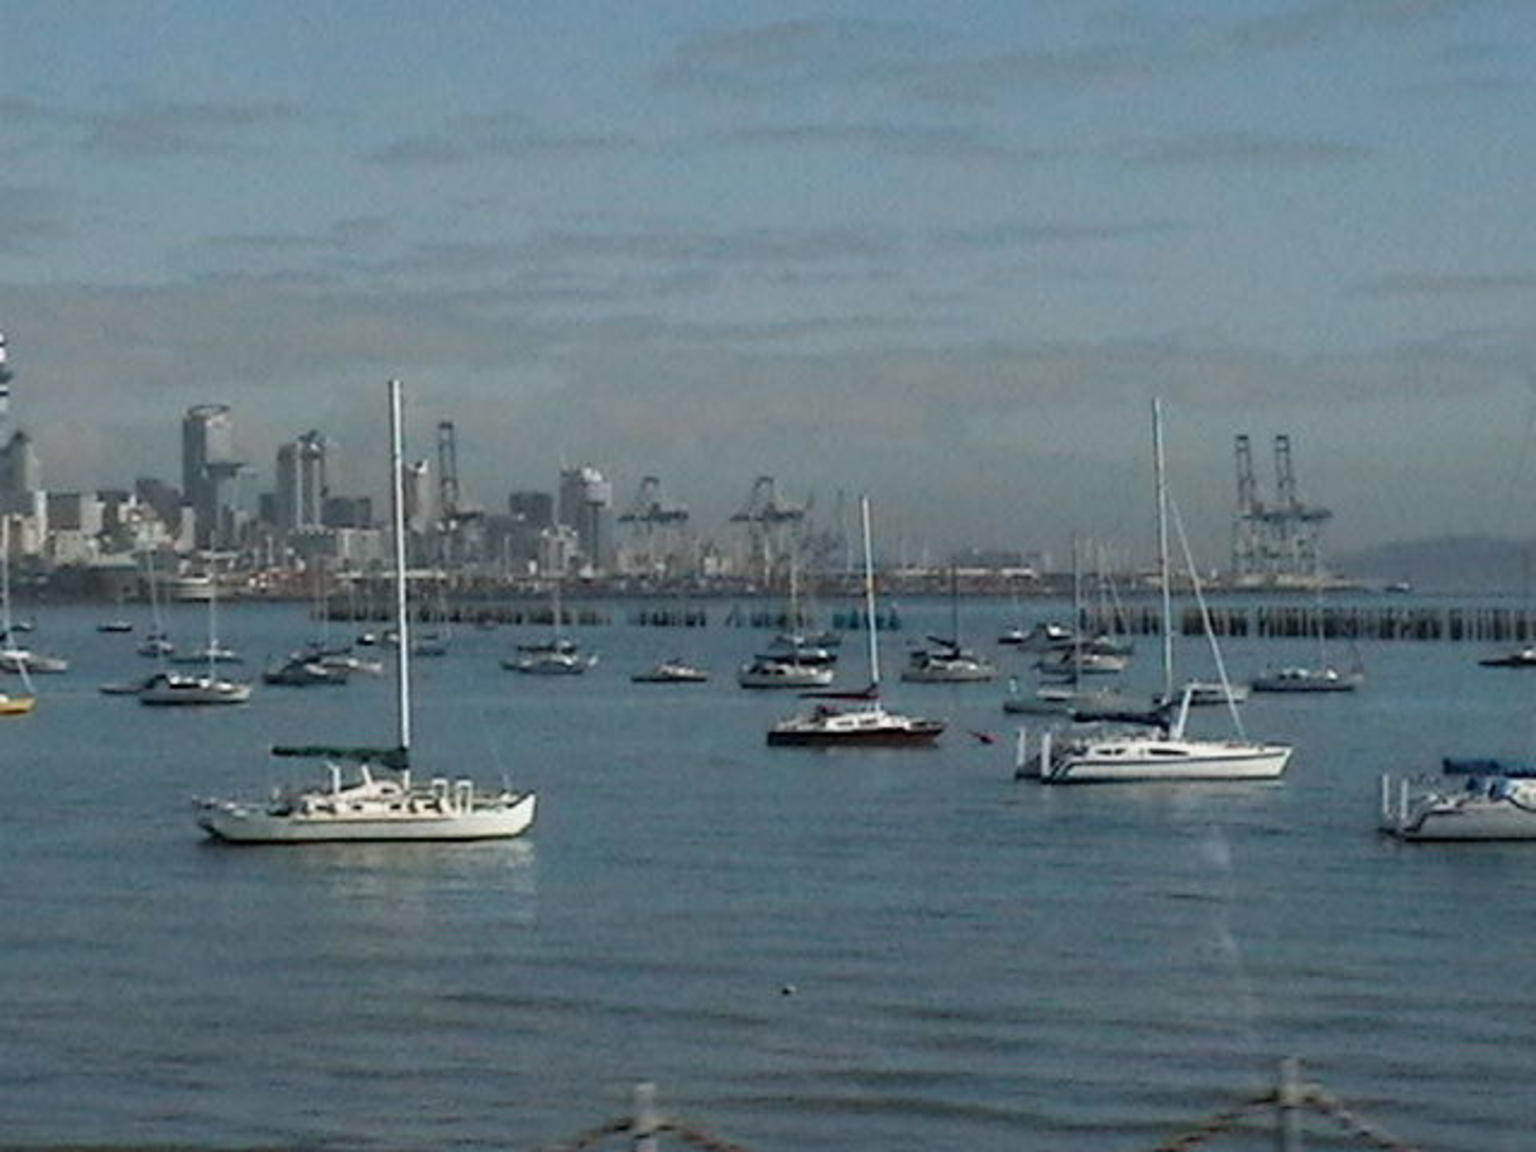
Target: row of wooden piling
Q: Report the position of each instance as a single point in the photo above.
(1344, 622)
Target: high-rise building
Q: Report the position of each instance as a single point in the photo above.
(301, 483)
(208, 465)
(420, 509)
(20, 470)
(586, 506)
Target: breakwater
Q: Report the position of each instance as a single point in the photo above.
(1260, 619)
(1442, 622)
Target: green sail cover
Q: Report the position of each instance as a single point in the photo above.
(396, 758)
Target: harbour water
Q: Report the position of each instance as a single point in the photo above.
(862, 950)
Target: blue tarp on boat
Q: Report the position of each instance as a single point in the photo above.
(1487, 766)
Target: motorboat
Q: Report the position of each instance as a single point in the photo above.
(1472, 800)
(1053, 637)
(1520, 658)
(1320, 676)
(673, 671)
(765, 672)
(856, 719)
(1155, 746)
(156, 644)
(1064, 699)
(1084, 662)
(1206, 693)
(169, 689)
(341, 660)
(19, 704)
(212, 653)
(300, 672)
(369, 795)
(945, 662)
(558, 657)
(1298, 678)
(793, 647)
(852, 719)
(115, 626)
(127, 687)
(14, 658)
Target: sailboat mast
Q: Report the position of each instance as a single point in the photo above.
(869, 596)
(1162, 545)
(402, 621)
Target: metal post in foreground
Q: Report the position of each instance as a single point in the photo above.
(645, 1121)
(1288, 1106)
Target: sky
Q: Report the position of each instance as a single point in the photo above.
(945, 255)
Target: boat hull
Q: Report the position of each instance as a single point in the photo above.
(233, 823)
(1171, 761)
(872, 738)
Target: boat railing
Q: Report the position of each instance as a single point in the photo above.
(1282, 1110)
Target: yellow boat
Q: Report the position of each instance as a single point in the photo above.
(16, 705)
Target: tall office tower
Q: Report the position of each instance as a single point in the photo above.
(420, 513)
(301, 483)
(208, 465)
(586, 505)
(20, 470)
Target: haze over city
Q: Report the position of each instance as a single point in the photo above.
(943, 255)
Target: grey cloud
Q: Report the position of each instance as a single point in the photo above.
(1247, 150)
(164, 129)
(771, 58)
(752, 246)
(1427, 284)
(1010, 235)
(493, 135)
(941, 142)
(929, 62)
(26, 215)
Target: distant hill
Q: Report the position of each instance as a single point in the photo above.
(1455, 564)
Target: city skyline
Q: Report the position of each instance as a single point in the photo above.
(946, 258)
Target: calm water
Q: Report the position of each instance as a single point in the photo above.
(975, 963)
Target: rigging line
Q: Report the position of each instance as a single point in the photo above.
(1205, 617)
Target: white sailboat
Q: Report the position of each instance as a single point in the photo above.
(1159, 749)
(557, 656)
(1320, 677)
(945, 660)
(11, 703)
(369, 794)
(856, 719)
(175, 689)
(14, 655)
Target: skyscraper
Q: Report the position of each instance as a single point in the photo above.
(207, 465)
(301, 483)
(20, 470)
(586, 505)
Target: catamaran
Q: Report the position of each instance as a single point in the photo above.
(369, 794)
(1157, 748)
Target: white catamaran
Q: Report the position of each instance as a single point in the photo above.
(369, 794)
(1157, 749)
